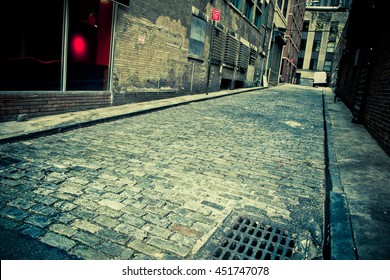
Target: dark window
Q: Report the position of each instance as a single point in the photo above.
(303, 44)
(285, 8)
(300, 63)
(258, 18)
(265, 14)
(89, 44)
(313, 64)
(31, 42)
(237, 3)
(248, 10)
(197, 36)
(306, 24)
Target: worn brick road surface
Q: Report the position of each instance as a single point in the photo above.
(156, 186)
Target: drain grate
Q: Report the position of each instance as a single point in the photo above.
(249, 238)
(5, 161)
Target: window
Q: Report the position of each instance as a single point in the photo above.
(34, 55)
(285, 8)
(265, 14)
(237, 4)
(313, 64)
(327, 65)
(300, 63)
(248, 10)
(331, 46)
(316, 46)
(30, 49)
(306, 24)
(302, 47)
(89, 45)
(258, 18)
(197, 36)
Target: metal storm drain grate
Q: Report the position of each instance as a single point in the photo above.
(250, 239)
(5, 161)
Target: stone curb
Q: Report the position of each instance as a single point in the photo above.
(160, 105)
(341, 241)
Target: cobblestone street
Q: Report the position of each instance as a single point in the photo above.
(157, 185)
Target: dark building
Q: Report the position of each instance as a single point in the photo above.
(296, 14)
(68, 55)
(363, 65)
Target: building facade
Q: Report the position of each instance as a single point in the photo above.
(278, 41)
(87, 54)
(323, 23)
(363, 69)
(296, 14)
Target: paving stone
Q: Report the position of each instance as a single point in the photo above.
(88, 253)
(131, 231)
(39, 220)
(22, 203)
(113, 236)
(187, 231)
(146, 249)
(132, 220)
(14, 213)
(112, 204)
(170, 246)
(32, 231)
(58, 241)
(63, 229)
(86, 238)
(157, 231)
(85, 225)
(106, 221)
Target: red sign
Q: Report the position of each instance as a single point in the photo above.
(216, 14)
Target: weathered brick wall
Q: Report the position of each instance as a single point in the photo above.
(376, 115)
(368, 47)
(152, 47)
(33, 104)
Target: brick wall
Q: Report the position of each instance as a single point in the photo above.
(367, 51)
(33, 104)
(152, 47)
(376, 115)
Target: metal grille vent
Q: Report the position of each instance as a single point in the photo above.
(218, 46)
(251, 240)
(232, 47)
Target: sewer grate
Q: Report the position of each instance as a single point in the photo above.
(5, 161)
(250, 238)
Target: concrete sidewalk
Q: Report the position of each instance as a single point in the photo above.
(360, 198)
(14, 130)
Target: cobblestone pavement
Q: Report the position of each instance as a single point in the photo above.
(156, 186)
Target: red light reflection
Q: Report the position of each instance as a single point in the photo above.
(79, 46)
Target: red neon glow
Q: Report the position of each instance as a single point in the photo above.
(79, 46)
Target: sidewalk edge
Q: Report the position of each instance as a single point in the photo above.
(340, 233)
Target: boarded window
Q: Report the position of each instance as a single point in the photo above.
(197, 36)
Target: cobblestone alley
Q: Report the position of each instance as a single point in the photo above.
(157, 185)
